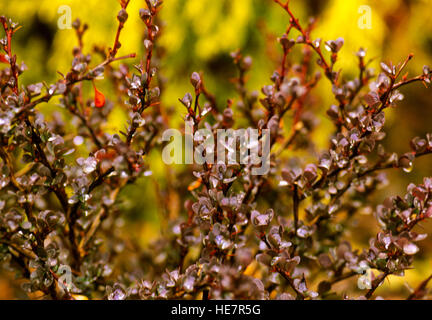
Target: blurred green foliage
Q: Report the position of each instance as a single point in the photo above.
(198, 35)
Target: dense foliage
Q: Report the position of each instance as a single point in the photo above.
(60, 216)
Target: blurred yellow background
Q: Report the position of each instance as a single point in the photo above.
(198, 35)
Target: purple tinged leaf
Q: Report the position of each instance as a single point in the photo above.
(372, 99)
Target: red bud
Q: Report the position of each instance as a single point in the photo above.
(3, 59)
(99, 99)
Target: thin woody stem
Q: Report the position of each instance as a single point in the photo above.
(296, 24)
(376, 283)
